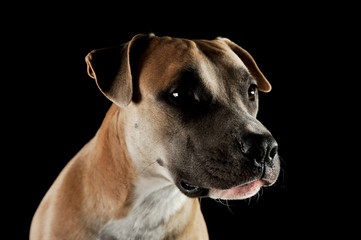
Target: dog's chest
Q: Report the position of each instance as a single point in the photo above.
(147, 218)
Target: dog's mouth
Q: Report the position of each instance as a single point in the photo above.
(239, 192)
(192, 190)
(243, 187)
(242, 191)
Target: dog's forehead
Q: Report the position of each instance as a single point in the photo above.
(166, 58)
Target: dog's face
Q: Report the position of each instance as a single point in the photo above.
(193, 108)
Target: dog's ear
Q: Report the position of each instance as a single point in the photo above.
(112, 68)
(263, 84)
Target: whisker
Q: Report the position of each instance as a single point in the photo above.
(229, 208)
(224, 203)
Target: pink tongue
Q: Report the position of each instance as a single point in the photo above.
(239, 192)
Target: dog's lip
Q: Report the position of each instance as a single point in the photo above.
(192, 190)
(188, 186)
(238, 192)
(241, 191)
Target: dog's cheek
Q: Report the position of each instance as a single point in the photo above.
(166, 137)
(184, 159)
(145, 132)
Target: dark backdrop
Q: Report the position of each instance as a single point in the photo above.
(54, 108)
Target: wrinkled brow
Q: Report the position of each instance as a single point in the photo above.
(189, 76)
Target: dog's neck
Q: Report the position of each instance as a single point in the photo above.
(148, 217)
(153, 199)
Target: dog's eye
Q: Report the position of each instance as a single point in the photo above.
(183, 97)
(188, 98)
(252, 91)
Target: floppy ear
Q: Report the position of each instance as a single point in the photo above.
(111, 68)
(263, 84)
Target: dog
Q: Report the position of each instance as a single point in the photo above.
(182, 126)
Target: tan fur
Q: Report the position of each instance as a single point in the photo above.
(94, 187)
(182, 228)
(100, 183)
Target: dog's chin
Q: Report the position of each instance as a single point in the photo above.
(239, 192)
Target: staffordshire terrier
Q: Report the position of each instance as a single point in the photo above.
(182, 126)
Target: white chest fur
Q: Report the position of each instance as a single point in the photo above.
(151, 211)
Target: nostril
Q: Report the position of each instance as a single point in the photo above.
(242, 147)
(256, 154)
(252, 151)
(273, 152)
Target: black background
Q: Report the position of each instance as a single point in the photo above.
(53, 108)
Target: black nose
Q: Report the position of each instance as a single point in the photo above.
(259, 148)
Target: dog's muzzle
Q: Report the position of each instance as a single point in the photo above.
(260, 152)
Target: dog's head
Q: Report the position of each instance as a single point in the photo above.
(192, 107)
